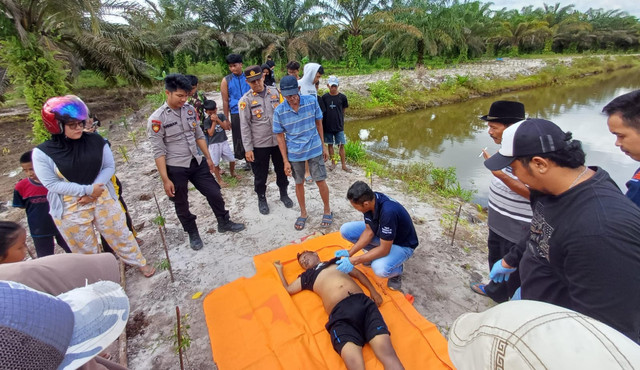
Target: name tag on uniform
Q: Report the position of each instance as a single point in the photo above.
(170, 125)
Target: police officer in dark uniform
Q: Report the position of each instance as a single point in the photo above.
(175, 137)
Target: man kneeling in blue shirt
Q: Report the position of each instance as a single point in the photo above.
(387, 234)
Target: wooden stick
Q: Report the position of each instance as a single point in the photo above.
(179, 338)
(122, 341)
(160, 212)
(166, 252)
(455, 227)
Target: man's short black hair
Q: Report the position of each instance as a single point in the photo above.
(234, 58)
(193, 79)
(177, 81)
(26, 157)
(360, 192)
(628, 105)
(293, 65)
(571, 156)
(209, 104)
(321, 70)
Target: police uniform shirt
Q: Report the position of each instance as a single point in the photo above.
(173, 134)
(256, 118)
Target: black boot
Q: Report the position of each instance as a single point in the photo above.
(284, 198)
(263, 207)
(225, 225)
(194, 240)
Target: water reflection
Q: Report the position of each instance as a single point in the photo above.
(453, 135)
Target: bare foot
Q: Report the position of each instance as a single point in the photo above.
(346, 169)
(235, 175)
(223, 184)
(148, 270)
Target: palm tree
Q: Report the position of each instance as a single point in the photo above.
(350, 15)
(524, 35)
(295, 29)
(48, 38)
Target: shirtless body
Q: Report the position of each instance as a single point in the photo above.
(354, 319)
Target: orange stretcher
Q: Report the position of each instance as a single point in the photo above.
(254, 323)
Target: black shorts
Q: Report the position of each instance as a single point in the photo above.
(355, 319)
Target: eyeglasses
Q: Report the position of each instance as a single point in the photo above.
(75, 125)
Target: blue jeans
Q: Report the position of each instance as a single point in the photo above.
(387, 266)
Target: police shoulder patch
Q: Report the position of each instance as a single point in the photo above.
(155, 125)
(242, 105)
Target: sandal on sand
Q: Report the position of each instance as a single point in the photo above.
(147, 270)
(478, 288)
(327, 220)
(308, 179)
(300, 222)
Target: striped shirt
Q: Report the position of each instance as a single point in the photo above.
(301, 133)
(509, 213)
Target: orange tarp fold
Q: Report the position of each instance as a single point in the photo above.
(254, 323)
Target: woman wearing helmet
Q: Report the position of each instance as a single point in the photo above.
(76, 168)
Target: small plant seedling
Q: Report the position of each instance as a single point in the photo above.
(164, 264)
(123, 151)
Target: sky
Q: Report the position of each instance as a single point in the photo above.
(630, 6)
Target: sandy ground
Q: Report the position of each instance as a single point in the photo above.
(437, 275)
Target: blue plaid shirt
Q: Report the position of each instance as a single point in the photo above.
(301, 133)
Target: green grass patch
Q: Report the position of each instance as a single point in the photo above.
(420, 178)
(88, 79)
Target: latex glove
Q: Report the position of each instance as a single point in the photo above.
(345, 265)
(516, 295)
(499, 273)
(342, 253)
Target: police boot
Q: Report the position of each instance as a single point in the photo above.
(263, 207)
(225, 224)
(284, 198)
(194, 240)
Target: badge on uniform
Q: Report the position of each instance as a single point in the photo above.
(254, 102)
(190, 112)
(258, 113)
(274, 97)
(243, 105)
(155, 125)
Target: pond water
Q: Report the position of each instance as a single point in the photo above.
(453, 135)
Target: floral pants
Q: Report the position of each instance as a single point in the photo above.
(106, 215)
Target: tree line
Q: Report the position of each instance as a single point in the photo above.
(45, 43)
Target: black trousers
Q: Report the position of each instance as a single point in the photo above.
(45, 246)
(203, 180)
(498, 248)
(236, 137)
(260, 168)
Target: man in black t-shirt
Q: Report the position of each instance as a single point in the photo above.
(335, 103)
(582, 251)
(354, 318)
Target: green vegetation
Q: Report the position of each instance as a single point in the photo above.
(164, 264)
(420, 178)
